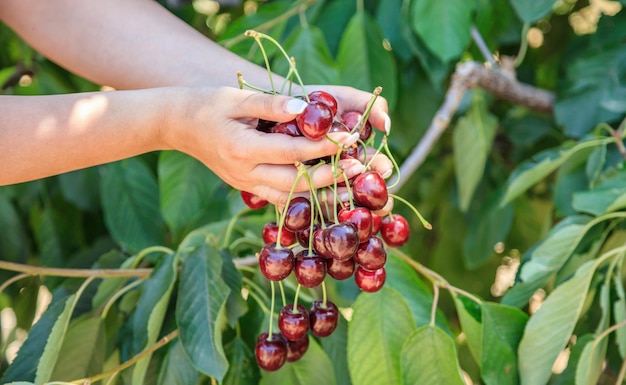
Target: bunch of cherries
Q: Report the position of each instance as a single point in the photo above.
(313, 241)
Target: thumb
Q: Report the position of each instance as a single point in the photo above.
(276, 108)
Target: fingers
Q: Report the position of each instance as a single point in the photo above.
(276, 108)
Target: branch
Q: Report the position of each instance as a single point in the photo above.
(74, 273)
(500, 82)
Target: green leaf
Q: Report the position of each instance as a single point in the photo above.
(200, 310)
(312, 369)
(429, 357)
(186, 186)
(236, 305)
(130, 201)
(444, 25)
(13, 238)
(150, 311)
(582, 103)
(607, 196)
(591, 360)
(530, 11)
(82, 352)
(619, 314)
(375, 337)
(313, 59)
(176, 369)
(81, 188)
(336, 347)
(363, 61)
(541, 165)
(568, 376)
(595, 164)
(549, 329)
(473, 137)
(503, 327)
(242, 369)
(470, 316)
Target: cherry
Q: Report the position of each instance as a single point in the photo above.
(341, 240)
(298, 215)
(369, 190)
(310, 269)
(371, 254)
(288, 128)
(324, 319)
(325, 98)
(340, 270)
(271, 353)
(252, 200)
(315, 121)
(318, 243)
(370, 280)
(265, 125)
(270, 234)
(296, 349)
(361, 218)
(377, 222)
(395, 230)
(293, 324)
(304, 236)
(275, 264)
(350, 119)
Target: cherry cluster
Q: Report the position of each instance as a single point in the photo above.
(314, 241)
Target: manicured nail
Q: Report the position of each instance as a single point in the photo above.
(350, 140)
(295, 106)
(387, 124)
(387, 174)
(355, 169)
(344, 197)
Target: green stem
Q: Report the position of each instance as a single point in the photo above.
(253, 286)
(282, 293)
(324, 295)
(425, 223)
(117, 295)
(395, 164)
(301, 171)
(295, 299)
(433, 310)
(231, 225)
(11, 280)
(74, 273)
(272, 304)
(521, 54)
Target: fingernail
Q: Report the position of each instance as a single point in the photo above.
(387, 124)
(387, 174)
(344, 197)
(295, 106)
(355, 170)
(350, 140)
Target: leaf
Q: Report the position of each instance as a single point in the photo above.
(595, 164)
(607, 196)
(375, 337)
(335, 347)
(199, 310)
(503, 327)
(470, 316)
(530, 11)
(541, 165)
(176, 369)
(81, 188)
(313, 59)
(363, 61)
(444, 25)
(150, 312)
(130, 202)
(312, 369)
(82, 352)
(549, 329)
(429, 357)
(236, 305)
(591, 360)
(185, 186)
(473, 137)
(242, 368)
(619, 313)
(567, 377)
(13, 238)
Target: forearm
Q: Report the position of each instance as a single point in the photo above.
(47, 135)
(126, 44)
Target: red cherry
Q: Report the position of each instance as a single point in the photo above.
(309, 269)
(325, 98)
(288, 128)
(340, 270)
(296, 349)
(377, 222)
(369, 190)
(270, 233)
(315, 121)
(361, 218)
(368, 280)
(265, 125)
(395, 230)
(275, 264)
(324, 319)
(252, 200)
(298, 215)
(350, 119)
(293, 324)
(270, 354)
(341, 240)
(371, 254)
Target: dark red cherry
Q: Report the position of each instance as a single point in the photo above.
(275, 263)
(395, 230)
(304, 236)
(293, 324)
(252, 200)
(296, 349)
(271, 354)
(371, 254)
(270, 233)
(323, 318)
(377, 222)
(309, 269)
(351, 118)
(265, 125)
(325, 98)
(341, 240)
(369, 190)
(288, 128)
(298, 215)
(340, 270)
(318, 243)
(315, 121)
(368, 280)
(361, 218)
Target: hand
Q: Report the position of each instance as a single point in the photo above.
(218, 127)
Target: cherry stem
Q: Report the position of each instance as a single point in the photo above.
(118, 294)
(242, 82)
(425, 223)
(282, 293)
(363, 118)
(378, 150)
(393, 161)
(347, 182)
(254, 287)
(272, 304)
(266, 59)
(301, 170)
(324, 297)
(433, 310)
(295, 299)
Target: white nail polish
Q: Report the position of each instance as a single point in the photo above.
(387, 174)
(350, 140)
(344, 197)
(295, 106)
(387, 124)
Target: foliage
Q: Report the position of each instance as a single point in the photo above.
(507, 186)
